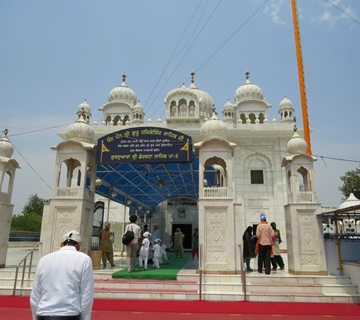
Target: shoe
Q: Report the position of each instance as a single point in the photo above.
(249, 270)
(275, 269)
(282, 268)
(113, 265)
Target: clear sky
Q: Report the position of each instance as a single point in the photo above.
(54, 54)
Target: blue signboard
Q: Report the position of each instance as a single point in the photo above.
(144, 145)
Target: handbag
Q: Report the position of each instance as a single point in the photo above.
(128, 237)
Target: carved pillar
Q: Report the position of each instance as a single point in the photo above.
(8, 167)
(305, 241)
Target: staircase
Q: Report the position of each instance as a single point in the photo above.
(279, 286)
(275, 287)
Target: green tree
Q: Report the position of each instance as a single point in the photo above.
(26, 222)
(34, 205)
(351, 183)
(31, 216)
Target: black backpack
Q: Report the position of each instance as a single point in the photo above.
(128, 237)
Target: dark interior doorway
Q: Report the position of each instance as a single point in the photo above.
(186, 229)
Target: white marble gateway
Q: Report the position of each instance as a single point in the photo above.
(261, 166)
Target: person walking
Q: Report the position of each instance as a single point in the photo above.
(155, 233)
(132, 247)
(63, 286)
(178, 243)
(265, 235)
(144, 250)
(195, 244)
(249, 247)
(106, 245)
(157, 253)
(276, 260)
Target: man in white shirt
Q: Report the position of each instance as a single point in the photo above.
(132, 247)
(63, 287)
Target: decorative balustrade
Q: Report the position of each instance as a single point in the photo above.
(4, 197)
(73, 192)
(216, 192)
(305, 197)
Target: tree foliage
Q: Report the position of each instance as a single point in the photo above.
(34, 205)
(26, 222)
(351, 183)
(31, 216)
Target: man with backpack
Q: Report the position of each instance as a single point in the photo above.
(132, 247)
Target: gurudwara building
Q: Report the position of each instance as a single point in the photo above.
(190, 170)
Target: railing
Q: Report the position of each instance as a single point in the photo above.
(343, 227)
(200, 272)
(242, 267)
(4, 197)
(67, 192)
(216, 192)
(23, 262)
(243, 273)
(305, 197)
(73, 192)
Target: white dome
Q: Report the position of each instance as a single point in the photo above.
(80, 131)
(296, 145)
(204, 100)
(349, 202)
(228, 106)
(286, 104)
(123, 93)
(201, 96)
(6, 148)
(84, 107)
(248, 91)
(138, 108)
(213, 128)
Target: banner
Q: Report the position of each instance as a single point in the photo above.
(144, 145)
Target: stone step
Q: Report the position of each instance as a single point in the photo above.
(270, 279)
(274, 287)
(302, 289)
(135, 284)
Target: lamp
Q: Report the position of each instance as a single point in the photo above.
(98, 182)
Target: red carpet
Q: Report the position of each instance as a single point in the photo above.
(284, 308)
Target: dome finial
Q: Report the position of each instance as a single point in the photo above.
(6, 131)
(214, 111)
(247, 74)
(124, 77)
(192, 77)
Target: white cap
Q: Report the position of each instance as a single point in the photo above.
(72, 235)
(157, 240)
(146, 234)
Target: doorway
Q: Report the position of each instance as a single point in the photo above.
(186, 229)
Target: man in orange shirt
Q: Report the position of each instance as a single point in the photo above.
(265, 234)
